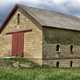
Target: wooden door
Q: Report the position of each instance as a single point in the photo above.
(18, 44)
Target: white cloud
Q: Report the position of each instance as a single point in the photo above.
(71, 7)
(65, 6)
(58, 2)
(75, 3)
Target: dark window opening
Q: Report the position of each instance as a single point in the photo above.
(71, 48)
(57, 48)
(18, 18)
(71, 63)
(57, 64)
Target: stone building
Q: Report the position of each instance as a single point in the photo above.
(43, 36)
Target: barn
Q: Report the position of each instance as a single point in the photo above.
(45, 37)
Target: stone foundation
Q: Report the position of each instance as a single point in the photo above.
(62, 63)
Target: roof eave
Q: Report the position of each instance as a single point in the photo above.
(61, 28)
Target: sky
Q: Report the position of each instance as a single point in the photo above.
(69, 7)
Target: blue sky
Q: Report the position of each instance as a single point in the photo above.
(70, 7)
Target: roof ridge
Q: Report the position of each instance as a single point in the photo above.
(47, 18)
(60, 13)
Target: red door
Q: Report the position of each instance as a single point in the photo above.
(18, 44)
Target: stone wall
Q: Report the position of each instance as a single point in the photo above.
(5, 45)
(63, 38)
(32, 40)
(64, 51)
(63, 63)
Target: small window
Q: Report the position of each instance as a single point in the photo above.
(71, 48)
(71, 63)
(57, 48)
(18, 18)
(57, 64)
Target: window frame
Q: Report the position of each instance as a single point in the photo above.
(71, 63)
(57, 47)
(57, 64)
(71, 49)
(18, 18)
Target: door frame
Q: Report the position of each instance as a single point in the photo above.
(24, 31)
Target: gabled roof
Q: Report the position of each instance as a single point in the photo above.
(47, 18)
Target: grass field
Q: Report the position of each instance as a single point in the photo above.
(39, 74)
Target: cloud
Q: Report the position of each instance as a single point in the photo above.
(70, 7)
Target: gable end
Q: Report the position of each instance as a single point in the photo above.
(11, 14)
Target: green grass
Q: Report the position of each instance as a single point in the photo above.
(9, 73)
(10, 61)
